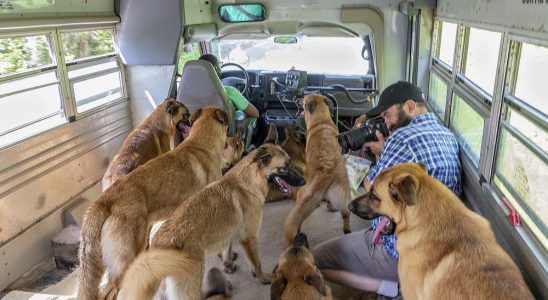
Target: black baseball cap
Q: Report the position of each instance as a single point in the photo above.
(213, 60)
(398, 92)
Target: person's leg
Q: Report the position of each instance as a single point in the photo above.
(354, 261)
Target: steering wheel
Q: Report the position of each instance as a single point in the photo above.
(237, 81)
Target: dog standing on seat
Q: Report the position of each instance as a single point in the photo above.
(446, 251)
(115, 227)
(152, 138)
(296, 276)
(326, 176)
(294, 145)
(226, 210)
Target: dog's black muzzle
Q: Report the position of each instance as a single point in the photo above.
(292, 177)
(361, 208)
(300, 240)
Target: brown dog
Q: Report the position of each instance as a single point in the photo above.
(216, 287)
(152, 138)
(294, 145)
(115, 227)
(233, 151)
(296, 276)
(326, 176)
(207, 222)
(446, 250)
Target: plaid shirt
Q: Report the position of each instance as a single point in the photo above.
(423, 140)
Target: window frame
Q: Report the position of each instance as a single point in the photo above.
(61, 68)
(484, 195)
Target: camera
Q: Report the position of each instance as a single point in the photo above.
(355, 138)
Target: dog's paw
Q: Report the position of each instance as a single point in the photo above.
(229, 267)
(266, 278)
(346, 230)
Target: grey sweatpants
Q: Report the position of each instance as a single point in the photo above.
(356, 253)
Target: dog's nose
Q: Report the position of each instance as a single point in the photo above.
(352, 206)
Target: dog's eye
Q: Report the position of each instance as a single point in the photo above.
(373, 195)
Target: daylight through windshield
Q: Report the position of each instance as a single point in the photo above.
(327, 55)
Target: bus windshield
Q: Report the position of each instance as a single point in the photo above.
(324, 55)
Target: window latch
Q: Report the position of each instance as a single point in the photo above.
(513, 216)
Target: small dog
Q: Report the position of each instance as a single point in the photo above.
(326, 175)
(152, 138)
(206, 223)
(446, 250)
(296, 275)
(294, 145)
(116, 226)
(216, 287)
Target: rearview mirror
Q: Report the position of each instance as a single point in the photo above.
(236, 13)
(285, 40)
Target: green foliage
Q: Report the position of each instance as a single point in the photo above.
(22, 53)
(192, 55)
(89, 43)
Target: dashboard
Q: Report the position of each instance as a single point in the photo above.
(274, 90)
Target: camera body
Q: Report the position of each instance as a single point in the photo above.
(355, 138)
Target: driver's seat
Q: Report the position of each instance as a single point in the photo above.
(200, 87)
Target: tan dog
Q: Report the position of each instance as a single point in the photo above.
(326, 176)
(446, 250)
(152, 138)
(233, 151)
(296, 276)
(216, 287)
(206, 223)
(114, 229)
(294, 145)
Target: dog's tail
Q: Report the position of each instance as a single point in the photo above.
(144, 275)
(91, 255)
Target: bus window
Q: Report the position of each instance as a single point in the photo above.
(468, 126)
(448, 37)
(30, 98)
(93, 69)
(194, 53)
(37, 95)
(481, 57)
(437, 94)
(521, 168)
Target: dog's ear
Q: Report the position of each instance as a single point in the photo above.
(194, 116)
(171, 108)
(310, 106)
(404, 188)
(315, 280)
(272, 136)
(221, 116)
(277, 286)
(263, 157)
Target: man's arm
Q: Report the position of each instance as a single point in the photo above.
(240, 102)
(251, 110)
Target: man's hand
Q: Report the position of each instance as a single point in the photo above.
(376, 147)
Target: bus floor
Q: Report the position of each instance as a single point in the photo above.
(320, 226)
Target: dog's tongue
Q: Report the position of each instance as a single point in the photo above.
(286, 185)
(378, 230)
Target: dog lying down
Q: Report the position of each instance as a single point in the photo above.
(296, 276)
(446, 250)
